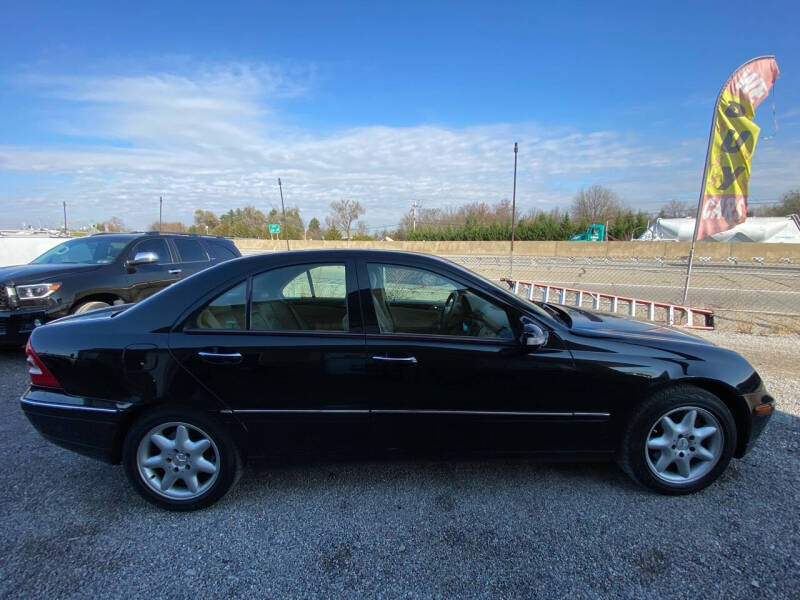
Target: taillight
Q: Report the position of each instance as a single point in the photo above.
(39, 373)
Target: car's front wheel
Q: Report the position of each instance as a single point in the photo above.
(679, 441)
(87, 306)
(180, 459)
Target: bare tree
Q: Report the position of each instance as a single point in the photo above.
(344, 213)
(114, 224)
(596, 204)
(676, 209)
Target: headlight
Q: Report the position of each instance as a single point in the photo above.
(37, 291)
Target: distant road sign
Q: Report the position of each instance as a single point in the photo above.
(274, 227)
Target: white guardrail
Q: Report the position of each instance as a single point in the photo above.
(673, 314)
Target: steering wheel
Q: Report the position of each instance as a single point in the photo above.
(447, 311)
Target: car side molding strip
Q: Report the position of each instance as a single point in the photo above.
(510, 413)
(381, 411)
(355, 411)
(30, 402)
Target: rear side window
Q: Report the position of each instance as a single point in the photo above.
(226, 311)
(157, 245)
(299, 298)
(190, 250)
(219, 250)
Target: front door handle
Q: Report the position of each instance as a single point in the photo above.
(175, 271)
(405, 359)
(221, 358)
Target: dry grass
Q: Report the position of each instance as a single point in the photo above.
(762, 324)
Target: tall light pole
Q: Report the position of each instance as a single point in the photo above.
(283, 208)
(513, 215)
(64, 203)
(160, 202)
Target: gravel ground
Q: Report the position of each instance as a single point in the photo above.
(416, 528)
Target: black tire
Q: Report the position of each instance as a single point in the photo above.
(224, 449)
(87, 306)
(633, 456)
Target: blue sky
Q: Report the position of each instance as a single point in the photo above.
(109, 105)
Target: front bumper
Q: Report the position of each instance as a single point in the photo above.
(85, 425)
(16, 325)
(761, 405)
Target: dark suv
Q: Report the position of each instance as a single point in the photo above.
(97, 271)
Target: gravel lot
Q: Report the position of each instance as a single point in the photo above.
(421, 528)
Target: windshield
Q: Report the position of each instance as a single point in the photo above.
(95, 250)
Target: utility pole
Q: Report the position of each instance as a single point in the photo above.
(414, 206)
(64, 203)
(160, 202)
(283, 208)
(513, 214)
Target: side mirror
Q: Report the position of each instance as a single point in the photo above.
(533, 336)
(142, 258)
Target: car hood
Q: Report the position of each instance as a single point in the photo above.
(591, 323)
(21, 274)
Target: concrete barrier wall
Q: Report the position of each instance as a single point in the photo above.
(22, 250)
(18, 250)
(669, 250)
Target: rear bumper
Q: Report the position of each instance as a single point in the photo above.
(88, 426)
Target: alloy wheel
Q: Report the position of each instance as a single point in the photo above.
(178, 460)
(684, 444)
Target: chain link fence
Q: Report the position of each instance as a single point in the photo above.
(748, 295)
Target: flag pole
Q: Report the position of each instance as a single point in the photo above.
(705, 174)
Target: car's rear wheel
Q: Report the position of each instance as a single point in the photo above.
(679, 441)
(180, 459)
(87, 306)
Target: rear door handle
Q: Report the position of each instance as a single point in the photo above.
(221, 358)
(405, 359)
(175, 271)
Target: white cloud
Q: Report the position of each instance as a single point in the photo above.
(213, 139)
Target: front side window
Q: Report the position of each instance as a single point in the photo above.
(416, 301)
(300, 298)
(226, 311)
(158, 246)
(190, 250)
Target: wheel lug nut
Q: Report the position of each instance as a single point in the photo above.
(681, 454)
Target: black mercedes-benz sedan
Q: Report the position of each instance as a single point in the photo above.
(342, 350)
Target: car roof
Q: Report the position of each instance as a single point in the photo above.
(328, 253)
(136, 234)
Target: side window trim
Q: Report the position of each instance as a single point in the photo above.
(248, 302)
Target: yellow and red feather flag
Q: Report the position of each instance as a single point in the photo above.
(733, 141)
